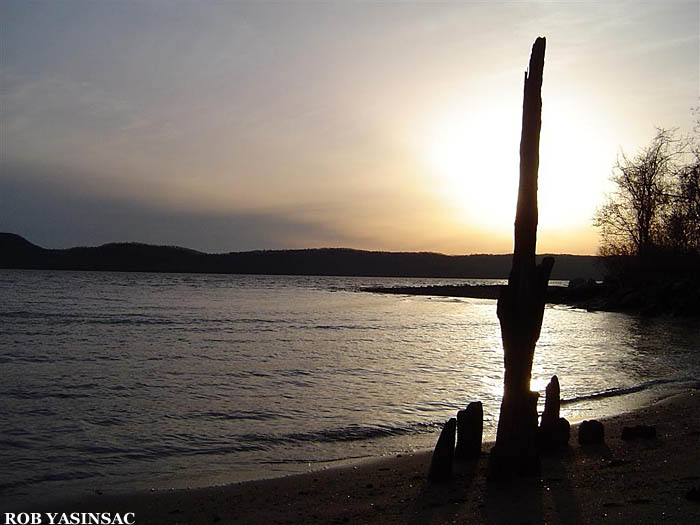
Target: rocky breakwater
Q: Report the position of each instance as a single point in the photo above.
(678, 297)
(674, 297)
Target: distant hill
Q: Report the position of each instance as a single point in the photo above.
(17, 252)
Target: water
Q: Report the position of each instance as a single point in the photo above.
(122, 381)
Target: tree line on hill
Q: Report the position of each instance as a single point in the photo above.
(17, 252)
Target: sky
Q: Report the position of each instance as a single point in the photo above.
(231, 126)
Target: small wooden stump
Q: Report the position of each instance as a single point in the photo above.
(552, 403)
(554, 431)
(591, 433)
(443, 455)
(470, 429)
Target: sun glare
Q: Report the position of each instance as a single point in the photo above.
(576, 155)
(473, 160)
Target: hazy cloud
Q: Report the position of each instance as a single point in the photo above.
(57, 214)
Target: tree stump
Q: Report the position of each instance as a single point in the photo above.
(470, 429)
(521, 303)
(443, 455)
(552, 403)
(554, 430)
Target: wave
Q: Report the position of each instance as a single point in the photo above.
(622, 391)
(267, 442)
(236, 415)
(344, 434)
(16, 394)
(53, 477)
(346, 327)
(288, 461)
(35, 313)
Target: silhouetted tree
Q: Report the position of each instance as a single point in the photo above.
(681, 229)
(631, 219)
(521, 303)
(650, 224)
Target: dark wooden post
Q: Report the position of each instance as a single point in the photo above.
(554, 430)
(552, 403)
(443, 454)
(521, 303)
(470, 430)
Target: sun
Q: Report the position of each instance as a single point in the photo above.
(472, 157)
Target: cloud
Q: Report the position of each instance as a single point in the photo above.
(55, 117)
(57, 214)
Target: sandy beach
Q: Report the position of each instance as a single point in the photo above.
(640, 481)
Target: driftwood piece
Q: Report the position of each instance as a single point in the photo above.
(521, 303)
(554, 431)
(443, 454)
(470, 429)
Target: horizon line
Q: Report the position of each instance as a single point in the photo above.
(321, 248)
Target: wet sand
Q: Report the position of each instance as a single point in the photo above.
(642, 481)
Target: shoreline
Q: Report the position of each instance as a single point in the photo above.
(642, 481)
(676, 297)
